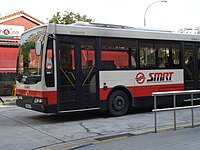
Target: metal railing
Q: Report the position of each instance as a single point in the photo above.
(174, 108)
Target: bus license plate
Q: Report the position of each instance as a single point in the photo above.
(28, 106)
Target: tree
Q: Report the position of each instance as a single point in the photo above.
(68, 18)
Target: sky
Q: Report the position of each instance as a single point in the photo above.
(172, 15)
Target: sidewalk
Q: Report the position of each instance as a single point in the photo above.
(182, 139)
(8, 100)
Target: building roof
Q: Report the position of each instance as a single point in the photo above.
(20, 14)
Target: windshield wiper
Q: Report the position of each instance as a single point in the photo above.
(28, 79)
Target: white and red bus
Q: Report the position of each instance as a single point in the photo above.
(64, 68)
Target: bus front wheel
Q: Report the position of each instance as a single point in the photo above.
(118, 103)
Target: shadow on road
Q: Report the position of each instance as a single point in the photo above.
(78, 116)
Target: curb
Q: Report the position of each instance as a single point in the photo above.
(93, 141)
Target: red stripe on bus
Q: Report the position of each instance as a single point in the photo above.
(50, 95)
(104, 93)
(140, 91)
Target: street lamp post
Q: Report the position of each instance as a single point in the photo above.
(148, 8)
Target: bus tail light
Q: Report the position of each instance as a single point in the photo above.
(40, 100)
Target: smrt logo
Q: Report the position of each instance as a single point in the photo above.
(154, 77)
(160, 77)
(140, 78)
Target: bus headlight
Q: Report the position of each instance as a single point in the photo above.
(40, 100)
(19, 97)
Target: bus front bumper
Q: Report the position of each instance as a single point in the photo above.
(37, 107)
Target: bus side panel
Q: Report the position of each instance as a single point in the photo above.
(141, 83)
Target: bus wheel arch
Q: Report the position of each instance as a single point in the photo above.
(119, 101)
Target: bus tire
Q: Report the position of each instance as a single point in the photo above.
(118, 103)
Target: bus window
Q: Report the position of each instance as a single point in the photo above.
(49, 67)
(49, 63)
(133, 62)
(163, 55)
(87, 53)
(67, 64)
(88, 64)
(34, 61)
(115, 53)
(159, 54)
(147, 55)
(189, 63)
(114, 59)
(88, 69)
(198, 63)
(175, 59)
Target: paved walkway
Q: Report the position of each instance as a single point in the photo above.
(7, 100)
(182, 139)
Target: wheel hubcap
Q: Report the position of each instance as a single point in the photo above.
(119, 103)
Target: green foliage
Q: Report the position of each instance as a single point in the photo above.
(68, 18)
(25, 50)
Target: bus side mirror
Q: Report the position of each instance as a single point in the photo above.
(38, 47)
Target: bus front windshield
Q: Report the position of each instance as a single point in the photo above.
(28, 63)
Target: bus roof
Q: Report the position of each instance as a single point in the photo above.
(119, 31)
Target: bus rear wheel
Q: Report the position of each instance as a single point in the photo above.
(118, 103)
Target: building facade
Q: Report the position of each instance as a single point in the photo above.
(11, 28)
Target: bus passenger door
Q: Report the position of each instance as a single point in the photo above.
(67, 75)
(77, 74)
(88, 81)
